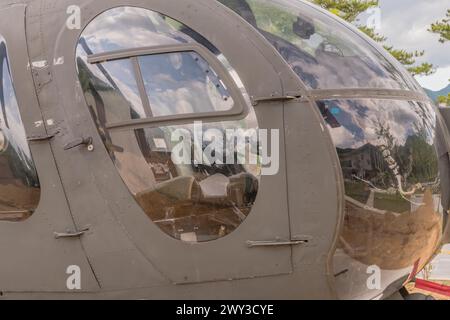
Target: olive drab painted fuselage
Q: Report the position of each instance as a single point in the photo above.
(206, 149)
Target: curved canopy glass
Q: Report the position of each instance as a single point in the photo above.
(322, 51)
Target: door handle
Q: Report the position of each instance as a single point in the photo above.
(275, 243)
(71, 234)
(88, 142)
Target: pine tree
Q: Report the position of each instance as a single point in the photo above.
(444, 100)
(442, 28)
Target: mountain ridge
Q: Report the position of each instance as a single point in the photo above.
(435, 94)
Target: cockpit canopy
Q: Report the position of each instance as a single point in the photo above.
(323, 52)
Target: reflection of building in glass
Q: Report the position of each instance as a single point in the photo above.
(365, 162)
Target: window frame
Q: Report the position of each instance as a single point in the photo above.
(240, 108)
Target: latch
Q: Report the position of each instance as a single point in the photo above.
(88, 142)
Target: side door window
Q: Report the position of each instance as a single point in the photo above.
(177, 114)
(19, 183)
(178, 129)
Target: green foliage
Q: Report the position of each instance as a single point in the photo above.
(424, 69)
(420, 154)
(351, 9)
(442, 28)
(371, 33)
(273, 20)
(347, 9)
(408, 59)
(444, 100)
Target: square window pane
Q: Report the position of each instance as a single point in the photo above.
(183, 83)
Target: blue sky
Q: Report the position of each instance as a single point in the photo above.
(405, 23)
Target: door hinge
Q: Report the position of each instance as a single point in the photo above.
(42, 74)
(42, 137)
(71, 234)
(276, 243)
(274, 98)
(295, 240)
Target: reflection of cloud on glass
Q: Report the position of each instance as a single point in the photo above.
(121, 71)
(111, 31)
(188, 86)
(341, 137)
(106, 32)
(401, 119)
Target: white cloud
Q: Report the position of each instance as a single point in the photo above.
(406, 24)
(436, 81)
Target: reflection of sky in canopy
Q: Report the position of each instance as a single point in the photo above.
(122, 72)
(360, 119)
(111, 31)
(128, 27)
(180, 83)
(331, 57)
